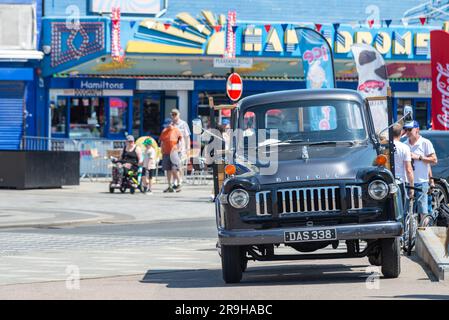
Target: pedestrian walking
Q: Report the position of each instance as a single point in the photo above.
(150, 165)
(423, 155)
(170, 139)
(184, 150)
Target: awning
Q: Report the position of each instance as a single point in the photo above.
(21, 55)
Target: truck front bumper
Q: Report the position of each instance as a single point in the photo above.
(378, 230)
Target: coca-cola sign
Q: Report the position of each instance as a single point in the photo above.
(440, 79)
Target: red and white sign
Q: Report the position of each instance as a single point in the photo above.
(116, 48)
(234, 87)
(440, 79)
(230, 37)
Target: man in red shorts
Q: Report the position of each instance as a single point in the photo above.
(171, 138)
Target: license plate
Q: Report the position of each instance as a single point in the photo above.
(310, 235)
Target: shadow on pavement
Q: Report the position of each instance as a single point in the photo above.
(421, 296)
(260, 276)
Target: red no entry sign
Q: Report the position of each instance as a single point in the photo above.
(234, 86)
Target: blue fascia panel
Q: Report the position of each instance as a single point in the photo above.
(16, 74)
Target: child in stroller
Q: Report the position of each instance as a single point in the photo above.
(127, 171)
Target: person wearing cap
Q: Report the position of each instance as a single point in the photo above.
(184, 150)
(170, 139)
(149, 165)
(423, 156)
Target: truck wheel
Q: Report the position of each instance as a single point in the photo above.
(391, 258)
(244, 264)
(375, 258)
(231, 264)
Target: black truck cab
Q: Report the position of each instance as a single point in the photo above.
(319, 178)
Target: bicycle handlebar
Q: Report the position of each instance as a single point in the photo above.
(413, 188)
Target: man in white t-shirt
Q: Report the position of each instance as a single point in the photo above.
(402, 162)
(423, 155)
(184, 149)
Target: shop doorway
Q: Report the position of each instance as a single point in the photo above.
(147, 114)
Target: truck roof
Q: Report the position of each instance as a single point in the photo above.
(300, 94)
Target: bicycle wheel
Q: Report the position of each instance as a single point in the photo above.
(412, 228)
(427, 221)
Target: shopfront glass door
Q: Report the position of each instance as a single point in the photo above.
(118, 117)
(146, 118)
(59, 120)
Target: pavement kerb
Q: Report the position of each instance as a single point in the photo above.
(430, 249)
(52, 224)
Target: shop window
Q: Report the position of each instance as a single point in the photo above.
(58, 116)
(86, 117)
(117, 115)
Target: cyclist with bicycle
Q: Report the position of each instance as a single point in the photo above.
(403, 165)
(423, 155)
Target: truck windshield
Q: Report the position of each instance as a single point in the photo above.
(306, 122)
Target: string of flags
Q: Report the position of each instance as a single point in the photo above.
(318, 26)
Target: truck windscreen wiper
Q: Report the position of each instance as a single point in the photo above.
(323, 143)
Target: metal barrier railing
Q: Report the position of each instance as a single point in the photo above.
(95, 156)
(94, 153)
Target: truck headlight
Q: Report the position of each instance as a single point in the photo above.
(378, 189)
(239, 198)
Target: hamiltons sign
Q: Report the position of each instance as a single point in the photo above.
(104, 84)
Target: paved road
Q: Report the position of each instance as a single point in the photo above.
(178, 260)
(164, 250)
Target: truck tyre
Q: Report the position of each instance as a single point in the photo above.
(391, 258)
(375, 257)
(244, 263)
(231, 264)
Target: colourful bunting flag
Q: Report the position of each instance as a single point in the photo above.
(183, 27)
(234, 29)
(217, 28)
(370, 23)
(423, 20)
(318, 27)
(336, 26)
(167, 25)
(132, 24)
(284, 26)
(267, 27)
(388, 22)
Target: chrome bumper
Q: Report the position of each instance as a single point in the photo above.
(378, 230)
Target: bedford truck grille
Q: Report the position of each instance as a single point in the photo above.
(304, 200)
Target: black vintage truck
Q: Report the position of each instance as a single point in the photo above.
(331, 185)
